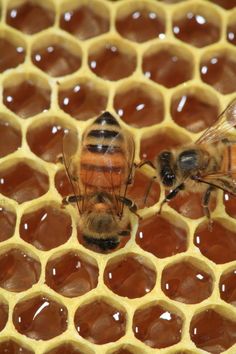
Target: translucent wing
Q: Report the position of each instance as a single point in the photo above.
(222, 181)
(218, 131)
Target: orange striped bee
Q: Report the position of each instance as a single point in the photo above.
(207, 164)
(100, 169)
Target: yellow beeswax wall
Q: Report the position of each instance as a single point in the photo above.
(165, 69)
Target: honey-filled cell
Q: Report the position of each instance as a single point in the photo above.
(66, 348)
(3, 316)
(10, 137)
(225, 4)
(12, 347)
(12, 55)
(7, 223)
(63, 184)
(227, 286)
(231, 33)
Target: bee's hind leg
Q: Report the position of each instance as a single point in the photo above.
(130, 204)
(205, 205)
(171, 195)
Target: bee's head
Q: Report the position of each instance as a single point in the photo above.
(165, 167)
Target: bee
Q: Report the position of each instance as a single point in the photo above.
(100, 168)
(206, 165)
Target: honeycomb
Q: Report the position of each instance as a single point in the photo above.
(165, 69)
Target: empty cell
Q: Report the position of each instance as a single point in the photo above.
(219, 71)
(139, 105)
(19, 271)
(40, 318)
(168, 66)
(10, 137)
(22, 182)
(99, 322)
(26, 98)
(11, 347)
(86, 21)
(217, 244)
(157, 327)
(46, 228)
(12, 54)
(30, 17)
(83, 100)
(70, 275)
(130, 276)
(187, 283)
(7, 223)
(227, 286)
(110, 62)
(212, 331)
(160, 237)
(141, 24)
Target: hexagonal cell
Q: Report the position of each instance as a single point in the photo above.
(11, 134)
(30, 17)
(25, 97)
(3, 316)
(131, 276)
(156, 326)
(12, 53)
(71, 275)
(56, 55)
(226, 4)
(67, 348)
(46, 228)
(139, 104)
(231, 32)
(186, 282)
(160, 237)
(197, 25)
(85, 21)
(40, 317)
(83, 100)
(230, 206)
(227, 286)
(112, 60)
(99, 322)
(45, 139)
(19, 271)
(165, 139)
(194, 109)
(218, 244)
(145, 191)
(218, 69)
(213, 332)
(22, 182)
(12, 347)
(63, 184)
(7, 223)
(168, 65)
(126, 349)
(140, 22)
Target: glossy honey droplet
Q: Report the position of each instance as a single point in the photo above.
(23, 183)
(19, 271)
(26, 99)
(46, 140)
(167, 67)
(139, 107)
(157, 327)
(7, 223)
(62, 183)
(227, 286)
(111, 62)
(85, 22)
(197, 29)
(65, 349)
(219, 71)
(11, 347)
(46, 228)
(230, 205)
(56, 60)
(161, 238)
(30, 17)
(184, 282)
(40, 318)
(218, 244)
(10, 138)
(99, 322)
(3, 316)
(231, 33)
(193, 113)
(82, 101)
(213, 332)
(129, 276)
(141, 25)
(12, 55)
(70, 275)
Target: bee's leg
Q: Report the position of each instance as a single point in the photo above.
(148, 190)
(143, 163)
(124, 233)
(70, 199)
(171, 195)
(130, 204)
(205, 205)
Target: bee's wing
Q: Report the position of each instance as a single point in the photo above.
(218, 131)
(70, 149)
(222, 181)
